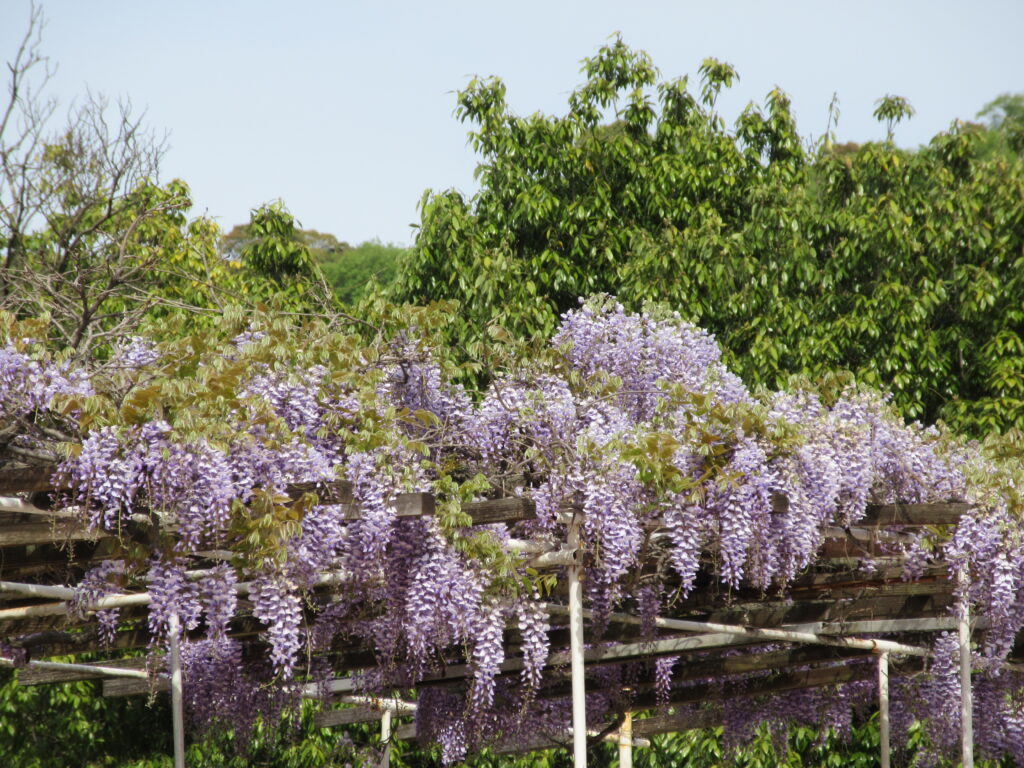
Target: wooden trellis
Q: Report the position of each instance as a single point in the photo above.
(826, 620)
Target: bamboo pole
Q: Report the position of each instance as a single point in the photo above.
(177, 707)
(966, 706)
(385, 738)
(122, 600)
(579, 694)
(785, 635)
(883, 707)
(93, 669)
(626, 741)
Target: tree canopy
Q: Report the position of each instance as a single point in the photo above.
(905, 267)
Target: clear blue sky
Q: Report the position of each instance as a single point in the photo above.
(344, 109)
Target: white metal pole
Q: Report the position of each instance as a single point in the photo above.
(966, 706)
(385, 738)
(177, 708)
(579, 694)
(883, 707)
(626, 742)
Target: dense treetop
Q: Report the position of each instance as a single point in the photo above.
(904, 267)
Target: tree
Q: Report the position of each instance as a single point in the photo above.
(88, 234)
(368, 267)
(91, 238)
(904, 267)
(1005, 116)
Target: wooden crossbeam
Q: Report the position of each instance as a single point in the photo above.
(884, 606)
(330, 718)
(914, 514)
(787, 681)
(676, 723)
(508, 510)
(27, 479)
(55, 532)
(367, 710)
(113, 688)
(60, 530)
(689, 668)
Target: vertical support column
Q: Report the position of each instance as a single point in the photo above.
(966, 705)
(385, 738)
(883, 707)
(626, 742)
(579, 695)
(177, 707)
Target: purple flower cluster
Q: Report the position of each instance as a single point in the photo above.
(279, 606)
(97, 583)
(638, 426)
(30, 382)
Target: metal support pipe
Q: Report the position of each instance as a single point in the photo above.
(93, 669)
(177, 708)
(626, 741)
(579, 694)
(783, 635)
(385, 738)
(966, 706)
(883, 707)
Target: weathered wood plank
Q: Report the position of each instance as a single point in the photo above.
(59, 530)
(329, 718)
(884, 606)
(914, 514)
(729, 666)
(113, 687)
(332, 717)
(508, 510)
(26, 479)
(787, 681)
(934, 585)
(687, 721)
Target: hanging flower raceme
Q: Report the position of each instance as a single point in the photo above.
(630, 422)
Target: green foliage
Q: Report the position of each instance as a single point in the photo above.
(353, 273)
(903, 267)
(357, 272)
(276, 256)
(53, 726)
(1005, 116)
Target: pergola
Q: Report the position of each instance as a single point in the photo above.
(836, 613)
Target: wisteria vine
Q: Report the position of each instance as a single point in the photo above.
(631, 419)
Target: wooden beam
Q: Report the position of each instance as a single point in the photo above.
(16, 506)
(55, 532)
(686, 721)
(329, 718)
(126, 687)
(847, 577)
(505, 510)
(787, 681)
(27, 479)
(914, 514)
(508, 510)
(728, 666)
(885, 606)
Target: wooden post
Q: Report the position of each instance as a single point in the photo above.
(626, 742)
(177, 707)
(883, 707)
(579, 695)
(385, 738)
(966, 706)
